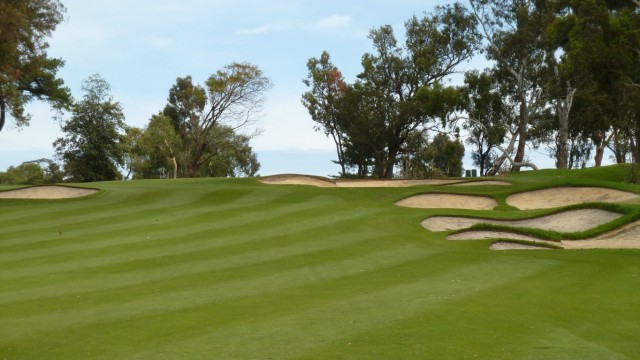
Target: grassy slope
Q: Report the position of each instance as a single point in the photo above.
(234, 269)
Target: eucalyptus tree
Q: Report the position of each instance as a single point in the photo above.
(510, 29)
(233, 98)
(486, 120)
(323, 102)
(600, 42)
(407, 79)
(26, 71)
(91, 148)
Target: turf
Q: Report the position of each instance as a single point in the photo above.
(235, 269)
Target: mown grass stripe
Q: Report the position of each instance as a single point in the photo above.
(75, 262)
(124, 217)
(299, 333)
(24, 325)
(43, 289)
(93, 237)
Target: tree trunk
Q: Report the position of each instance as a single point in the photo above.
(599, 154)
(522, 133)
(3, 110)
(563, 108)
(562, 153)
(338, 141)
(175, 167)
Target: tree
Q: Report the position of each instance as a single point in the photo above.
(91, 149)
(600, 42)
(26, 72)
(511, 31)
(441, 157)
(406, 80)
(234, 156)
(158, 149)
(487, 116)
(232, 97)
(323, 101)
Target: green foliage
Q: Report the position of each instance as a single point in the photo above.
(441, 157)
(36, 172)
(26, 72)
(91, 149)
(231, 99)
(399, 93)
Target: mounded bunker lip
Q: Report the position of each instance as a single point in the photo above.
(626, 237)
(448, 201)
(47, 192)
(564, 196)
(483, 182)
(505, 245)
(488, 234)
(566, 221)
(297, 179)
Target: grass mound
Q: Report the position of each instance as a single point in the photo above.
(238, 269)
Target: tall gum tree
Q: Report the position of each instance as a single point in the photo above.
(510, 31)
(405, 78)
(327, 88)
(26, 71)
(232, 98)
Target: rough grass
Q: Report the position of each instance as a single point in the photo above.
(235, 269)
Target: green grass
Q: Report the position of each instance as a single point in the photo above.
(235, 269)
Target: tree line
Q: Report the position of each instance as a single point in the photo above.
(562, 74)
(204, 130)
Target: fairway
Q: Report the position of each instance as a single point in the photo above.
(239, 269)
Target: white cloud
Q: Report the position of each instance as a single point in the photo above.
(260, 29)
(334, 21)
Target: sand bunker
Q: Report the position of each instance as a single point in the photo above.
(627, 237)
(483, 182)
(483, 235)
(394, 183)
(297, 180)
(450, 201)
(46, 192)
(567, 221)
(293, 179)
(564, 196)
(505, 245)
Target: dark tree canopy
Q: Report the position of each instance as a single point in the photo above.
(92, 146)
(26, 72)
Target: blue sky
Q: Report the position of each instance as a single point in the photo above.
(141, 46)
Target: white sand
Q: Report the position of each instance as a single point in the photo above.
(448, 201)
(567, 221)
(46, 192)
(564, 196)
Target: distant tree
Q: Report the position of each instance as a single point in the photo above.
(232, 97)
(487, 116)
(26, 174)
(323, 101)
(92, 146)
(446, 154)
(406, 79)
(512, 35)
(35, 172)
(26, 72)
(234, 156)
(158, 149)
(440, 157)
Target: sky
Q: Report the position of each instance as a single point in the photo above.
(141, 46)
